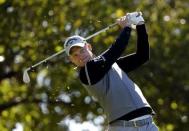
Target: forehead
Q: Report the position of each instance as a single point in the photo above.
(75, 49)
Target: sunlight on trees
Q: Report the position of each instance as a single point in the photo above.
(33, 30)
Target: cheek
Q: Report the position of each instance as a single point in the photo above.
(75, 61)
(72, 60)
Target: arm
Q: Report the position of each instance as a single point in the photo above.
(114, 52)
(100, 65)
(133, 61)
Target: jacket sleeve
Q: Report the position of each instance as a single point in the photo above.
(133, 61)
(95, 69)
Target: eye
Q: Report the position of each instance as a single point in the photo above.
(74, 55)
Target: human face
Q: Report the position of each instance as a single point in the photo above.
(80, 55)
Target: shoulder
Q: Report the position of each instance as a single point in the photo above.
(82, 76)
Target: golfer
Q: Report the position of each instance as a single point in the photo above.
(105, 76)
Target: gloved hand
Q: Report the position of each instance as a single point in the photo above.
(135, 18)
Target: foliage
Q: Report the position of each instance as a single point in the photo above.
(34, 29)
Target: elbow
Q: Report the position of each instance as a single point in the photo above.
(147, 55)
(145, 59)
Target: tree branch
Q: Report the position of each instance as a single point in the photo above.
(16, 102)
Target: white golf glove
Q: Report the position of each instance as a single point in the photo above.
(134, 18)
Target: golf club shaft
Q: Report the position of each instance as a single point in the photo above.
(87, 38)
(103, 30)
(45, 60)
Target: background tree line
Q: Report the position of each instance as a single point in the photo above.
(35, 29)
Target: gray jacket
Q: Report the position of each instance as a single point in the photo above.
(117, 94)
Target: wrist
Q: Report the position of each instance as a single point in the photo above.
(141, 23)
(129, 26)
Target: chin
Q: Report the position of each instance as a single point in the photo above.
(82, 65)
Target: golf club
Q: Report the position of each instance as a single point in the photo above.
(26, 77)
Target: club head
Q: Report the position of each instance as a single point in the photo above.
(26, 77)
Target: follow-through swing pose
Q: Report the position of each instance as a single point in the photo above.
(105, 76)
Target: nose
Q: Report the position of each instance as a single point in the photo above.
(80, 56)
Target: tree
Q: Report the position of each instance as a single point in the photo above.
(32, 30)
